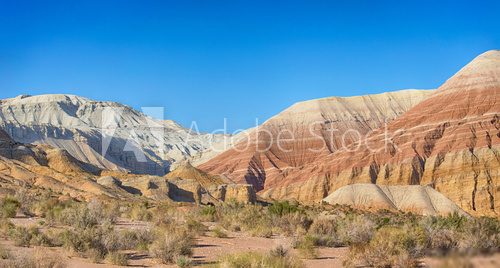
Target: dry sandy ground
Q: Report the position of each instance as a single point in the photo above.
(208, 249)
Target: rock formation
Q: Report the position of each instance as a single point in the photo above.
(187, 171)
(306, 132)
(26, 165)
(417, 199)
(107, 135)
(449, 141)
(213, 188)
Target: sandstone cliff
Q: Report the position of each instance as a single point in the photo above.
(214, 188)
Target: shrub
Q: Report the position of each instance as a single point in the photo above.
(307, 247)
(94, 243)
(50, 207)
(357, 230)
(452, 221)
(325, 232)
(261, 230)
(8, 207)
(208, 213)
(258, 260)
(481, 235)
(79, 216)
(5, 226)
(40, 259)
(218, 232)
(95, 255)
(291, 224)
(279, 251)
(342, 230)
(281, 208)
(4, 253)
(183, 262)
(26, 237)
(47, 259)
(195, 226)
(172, 245)
(390, 247)
(117, 258)
(140, 212)
(26, 199)
(249, 218)
(136, 239)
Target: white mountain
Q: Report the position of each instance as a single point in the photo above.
(106, 134)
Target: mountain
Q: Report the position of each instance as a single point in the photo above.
(449, 141)
(107, 135)
(30, 166)
(422, 200)
(306, 132)
(186, 170)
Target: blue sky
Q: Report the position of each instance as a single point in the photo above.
(240, 60)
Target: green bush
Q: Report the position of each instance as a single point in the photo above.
(281, 208)
(208, 213)
(183, 262)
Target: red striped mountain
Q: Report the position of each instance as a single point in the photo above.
(449, 141)
(306, 132)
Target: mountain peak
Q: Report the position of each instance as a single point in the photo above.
(48, 98)
(482, 72)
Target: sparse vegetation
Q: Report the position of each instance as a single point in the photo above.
(218, 232)
(184, 262)
(307, 247)
(390, 247)
(259, 260)
(8, 207)
(375, 239)
(26, 237)
(4, 253)
(172, 245)
(118, 258)
(140, 212)
(39, 259)
(282, 208)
